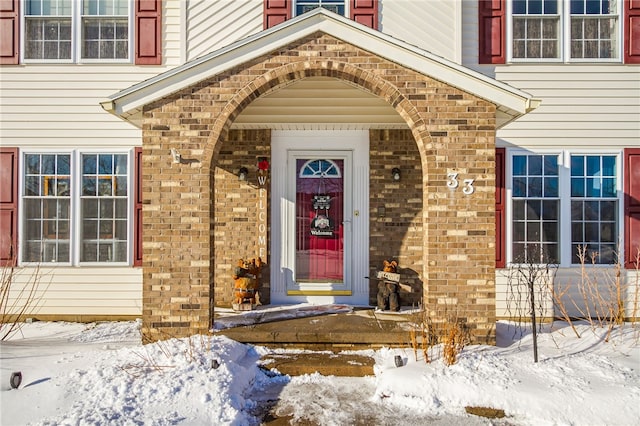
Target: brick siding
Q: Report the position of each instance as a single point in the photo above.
(396, 231)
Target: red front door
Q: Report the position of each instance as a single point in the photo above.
(319, 250)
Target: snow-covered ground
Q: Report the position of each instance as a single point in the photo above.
(100, 374)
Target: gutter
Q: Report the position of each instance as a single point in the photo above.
(531, 104)
(108, 106)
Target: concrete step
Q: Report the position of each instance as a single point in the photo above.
(360, 329)
(325, 363)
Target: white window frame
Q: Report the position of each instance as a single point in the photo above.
(564, 188)
(564, 10)
(295, 6)
(76, 38)
(75, 213)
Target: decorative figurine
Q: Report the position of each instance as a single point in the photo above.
(247, 281)
(388, 287)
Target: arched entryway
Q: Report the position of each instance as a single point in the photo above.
(189, 263)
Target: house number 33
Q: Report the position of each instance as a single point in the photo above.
(453, 182)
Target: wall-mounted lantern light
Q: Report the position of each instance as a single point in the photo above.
(243, 173)
(395, 173)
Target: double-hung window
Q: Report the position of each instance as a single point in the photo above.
(593, 29)
(535, 29)
(565, 30)
(76, 31)
(594, 208)
(47, 208)
(76, 208)
(104, 208)
(536, 208)
(564, 205)
(336, 6)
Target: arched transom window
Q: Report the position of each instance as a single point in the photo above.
(320, 169)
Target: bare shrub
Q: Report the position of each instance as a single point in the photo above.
(445, 338)
(558, 294)
(414, 342)
(161, 355)
(600, 298)
(529, 285)
(198, 343)
(18, 301)
(454, 340)
(422, 335)
(601, 295)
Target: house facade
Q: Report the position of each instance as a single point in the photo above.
(148, 145)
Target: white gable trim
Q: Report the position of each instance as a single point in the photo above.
(511, 102)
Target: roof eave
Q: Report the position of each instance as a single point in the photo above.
(128, 103)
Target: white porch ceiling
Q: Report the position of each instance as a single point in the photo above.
(319, 103)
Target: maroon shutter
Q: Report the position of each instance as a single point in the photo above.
(276, 12)
(501, 260)
(137, 215)
(148, 32)
(9, 32)
(8, 206)
(365, 12)
(631, 25)
(492, 20)
(631, 170)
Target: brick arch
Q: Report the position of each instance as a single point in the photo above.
(457, 134)
(284, 75)
(289, 73)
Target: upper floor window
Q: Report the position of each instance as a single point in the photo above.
(568, 30)
(70, 31)
(364, 12)
(336, 6)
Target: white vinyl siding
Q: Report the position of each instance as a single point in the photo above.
(470, 40)
(431, 25)
(215, 24)
(582, 106)
(212, 25)
(57, 105)
(95, 291)
(569, 289)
